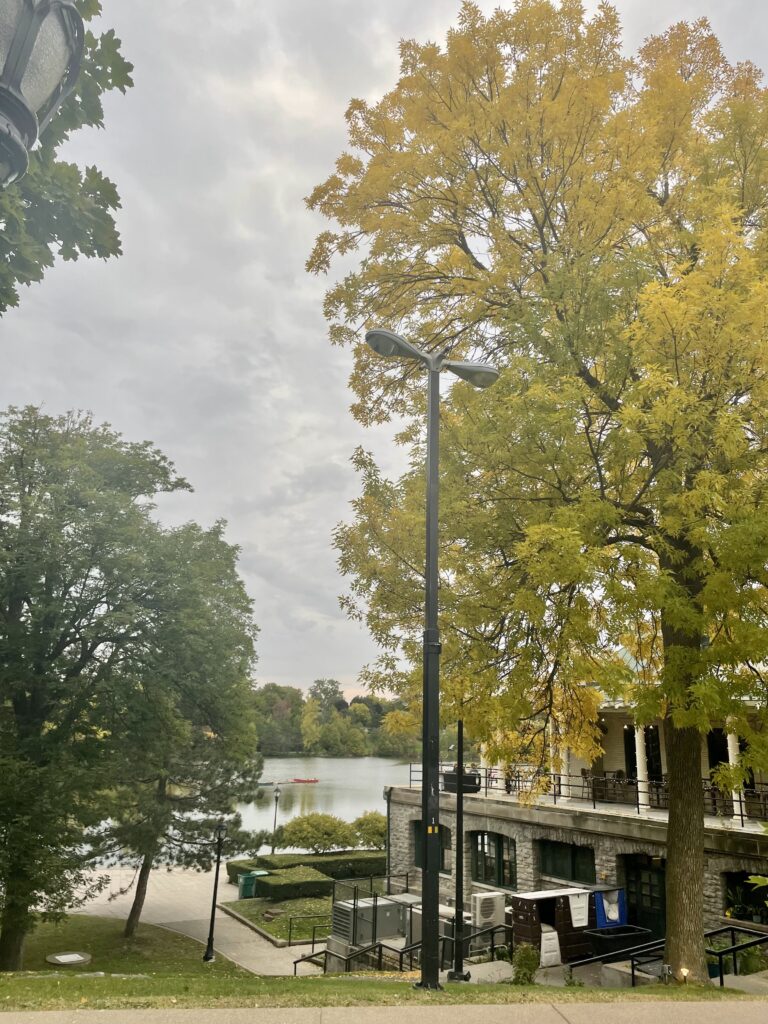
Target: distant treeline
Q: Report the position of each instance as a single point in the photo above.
(321, 721)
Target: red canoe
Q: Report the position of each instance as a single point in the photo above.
(305, 780)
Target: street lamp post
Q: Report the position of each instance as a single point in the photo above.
(458, 973)
(274, 822)
(41, 50)
(480, 375)
(221, 831)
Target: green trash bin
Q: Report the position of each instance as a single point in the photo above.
(246, 885)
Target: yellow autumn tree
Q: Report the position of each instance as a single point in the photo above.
(595, 225)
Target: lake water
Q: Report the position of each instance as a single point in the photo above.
(347, 787)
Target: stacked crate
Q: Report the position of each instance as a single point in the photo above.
(553, 907)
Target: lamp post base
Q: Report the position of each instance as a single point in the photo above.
(459, 976)
(437, 987)
(209, 956)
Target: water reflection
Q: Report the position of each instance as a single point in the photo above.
(346, 787)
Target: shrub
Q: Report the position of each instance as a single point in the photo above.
(318, 833)
(525, 962)
(293, 884)
(239, 867)
(371, 830)
(342, 864)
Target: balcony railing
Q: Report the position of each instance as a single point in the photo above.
(612, 788)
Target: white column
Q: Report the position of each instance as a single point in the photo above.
(565, 785)
(643, 791)
(733, 759)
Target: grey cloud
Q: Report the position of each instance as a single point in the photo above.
(207, 336)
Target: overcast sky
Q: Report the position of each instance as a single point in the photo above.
(207, 336)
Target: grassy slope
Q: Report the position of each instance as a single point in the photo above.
(254, 910)
(174, 975)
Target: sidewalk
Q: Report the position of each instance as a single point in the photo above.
(517, 1013)
(180, 900)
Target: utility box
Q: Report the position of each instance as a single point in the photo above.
(368, 921)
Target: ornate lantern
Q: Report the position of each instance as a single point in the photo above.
(41, 48)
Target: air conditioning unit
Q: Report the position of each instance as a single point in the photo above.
(487, 909)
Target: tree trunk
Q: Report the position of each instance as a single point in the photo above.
(15, 923)
(138, 900)
(685, 853)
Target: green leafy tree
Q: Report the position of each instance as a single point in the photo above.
(340, 737)
(311, 728)
(319, 833)
(596, 225)
(328, 696)
(59, 209)
(188, 733)
(78, 580)
(278, 711)
(371, 830)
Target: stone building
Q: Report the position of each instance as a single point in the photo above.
(603, 824)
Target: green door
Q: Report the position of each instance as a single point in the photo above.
(646, 902)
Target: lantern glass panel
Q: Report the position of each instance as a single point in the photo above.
(48, 63)
(9, 20)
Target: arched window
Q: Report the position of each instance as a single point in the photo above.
(494, 859)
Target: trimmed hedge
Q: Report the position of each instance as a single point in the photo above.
(344, 864)
(239, 867)
(293, 884)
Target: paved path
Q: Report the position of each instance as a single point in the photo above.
(518, 1013)
(181, 901)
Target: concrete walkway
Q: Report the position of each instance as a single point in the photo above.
(517, 1013)
(181, 901)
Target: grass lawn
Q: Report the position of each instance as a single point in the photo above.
(254, 910)
(173, 975)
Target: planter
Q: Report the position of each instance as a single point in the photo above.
(470, 782)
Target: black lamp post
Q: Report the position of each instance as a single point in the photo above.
(458, 973)
(221, 831)
(41, 49)
(274, 822)
(480, 375)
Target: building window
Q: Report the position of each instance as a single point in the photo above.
(567, 861)
(494, 860)
(445, 846)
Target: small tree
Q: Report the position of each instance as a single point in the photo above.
(318, 833)
(371, 829)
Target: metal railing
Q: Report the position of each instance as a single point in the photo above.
(654, 952)
(382, 954)
(294, 925)
(368, 886)
(530, 782)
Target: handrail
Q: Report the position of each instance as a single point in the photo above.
(743, 805)
(304, 917)
(400, 952)
(731, 950)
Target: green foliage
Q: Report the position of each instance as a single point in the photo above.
(525, 962)
(293, 883)
(124, 677)
(278, 712)
(597, 226)
(345, 864)
(371, 830)
(341, 865)
(318, 833)
(239, 866)
(59, 209)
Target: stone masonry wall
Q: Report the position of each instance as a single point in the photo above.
(507, 821)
